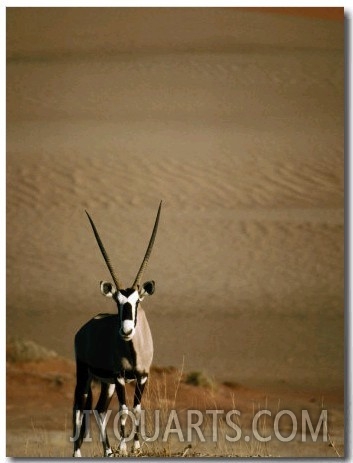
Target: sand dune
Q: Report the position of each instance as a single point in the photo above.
(235, 120)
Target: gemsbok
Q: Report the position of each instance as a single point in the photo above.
(114, 349)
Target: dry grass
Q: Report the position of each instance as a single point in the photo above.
(39, 401)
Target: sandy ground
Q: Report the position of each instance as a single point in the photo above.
(235, 119)
(39, 418)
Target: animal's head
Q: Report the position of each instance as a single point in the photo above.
(127, 299)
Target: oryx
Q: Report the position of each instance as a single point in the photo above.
(114, 348)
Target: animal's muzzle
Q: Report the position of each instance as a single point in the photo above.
(127, 329)
(127, 333)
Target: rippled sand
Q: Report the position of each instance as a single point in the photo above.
(235, 120)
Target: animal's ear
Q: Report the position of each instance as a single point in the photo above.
(107, 289)
(147, 288)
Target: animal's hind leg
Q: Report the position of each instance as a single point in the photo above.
(140, 386)
(123, 411)
(82, 402)
(107, 391)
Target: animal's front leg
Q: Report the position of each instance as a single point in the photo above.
(123, 410)
(82, 403)
(107, 391)
(140, 386)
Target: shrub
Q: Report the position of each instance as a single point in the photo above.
(197, 378)
(21, 350)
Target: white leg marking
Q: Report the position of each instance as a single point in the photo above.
(137, 445)
(123, 417)
(77, 453)
(137, 413)
(111, 389)
(123, 414)
(108, 452)
(123, 447)
(121, 381)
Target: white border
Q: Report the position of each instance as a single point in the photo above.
(140, 3)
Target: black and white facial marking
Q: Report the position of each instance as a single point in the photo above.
(127, 301)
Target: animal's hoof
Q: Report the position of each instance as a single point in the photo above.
(123, 449)
(136, 447)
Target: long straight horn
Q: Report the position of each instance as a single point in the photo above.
(105, 255)
(149, 250)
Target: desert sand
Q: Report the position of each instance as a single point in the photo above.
(235, 119)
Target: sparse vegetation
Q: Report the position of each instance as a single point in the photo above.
(197, 378)
(22, 350)
(37, 431)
